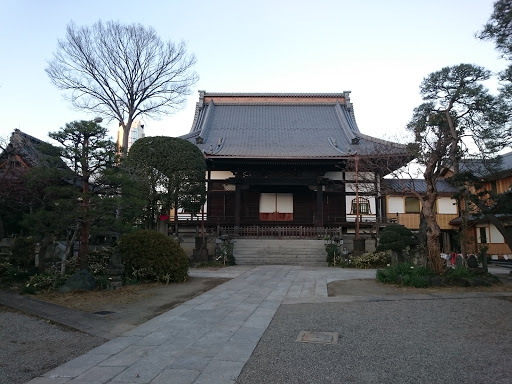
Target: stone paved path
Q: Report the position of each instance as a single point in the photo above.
(207, 339)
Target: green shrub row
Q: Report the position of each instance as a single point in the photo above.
(422, 277)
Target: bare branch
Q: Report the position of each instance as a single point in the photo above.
(121, 71)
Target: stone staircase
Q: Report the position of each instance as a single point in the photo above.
(284, 252)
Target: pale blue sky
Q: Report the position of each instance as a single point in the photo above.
(379, 50)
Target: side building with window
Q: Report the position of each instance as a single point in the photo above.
(403, 206)
(495, 177)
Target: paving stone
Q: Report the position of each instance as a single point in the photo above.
(127, 356)
(77, 366)
(47, 380)
(308, 289)
(241, 345)
(116, 345)
(221, 372)
(190, 362)
(254, 300)
(176, 376)
(143, 329)
(271, 304)
(145, 369)
(97, 375)
(260, 318)
(157, 337)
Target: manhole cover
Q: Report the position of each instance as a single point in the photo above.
(103, 313)
(318, 337)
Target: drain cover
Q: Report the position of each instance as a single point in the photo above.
(103, 313)
(318, 337)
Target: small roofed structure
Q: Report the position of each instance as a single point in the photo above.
(288, 159)
(20, 152)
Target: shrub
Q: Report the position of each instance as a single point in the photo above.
(422, 277)
(332, 251)
(394, 237)
(372, 260)
(469, 277)
(23, 252)
(406, 274)
(98, 263)
(45, 282)
(150, 255)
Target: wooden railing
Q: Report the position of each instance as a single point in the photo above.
(299, 232)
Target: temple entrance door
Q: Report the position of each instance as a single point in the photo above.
(276, 206)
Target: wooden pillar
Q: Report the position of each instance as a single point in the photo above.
(319, 206)
(237, 206)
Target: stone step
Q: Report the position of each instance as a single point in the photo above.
(272, 251)
(283, 262)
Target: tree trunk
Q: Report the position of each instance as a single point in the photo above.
(506, 232)
(84, 245)
(126, 134)
(42, 253)
(433, 247)
(433, 234)
(69, 248)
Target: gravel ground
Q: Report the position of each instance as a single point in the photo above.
(413, 341)
(30, 346)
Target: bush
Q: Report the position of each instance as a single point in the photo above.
(372, 260)
(23, 252)
(45, 282)
(465, 277)
(394, 237)
(98, 263)
(422, 277)
(332, 251)
(406, 274)
(150, 255)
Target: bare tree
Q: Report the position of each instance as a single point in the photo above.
(121, 72)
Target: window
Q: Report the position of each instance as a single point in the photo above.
(482, 235)
(364, 206)
(412, 205)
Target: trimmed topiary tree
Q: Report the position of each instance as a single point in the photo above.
(150, 255)
(396, 238)
(171, 172)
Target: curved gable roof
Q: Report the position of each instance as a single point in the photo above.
(281, 126)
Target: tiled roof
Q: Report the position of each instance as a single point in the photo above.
(282, 130)
(26, 146)
(417, 185)
(485, 168)
(256, 94)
